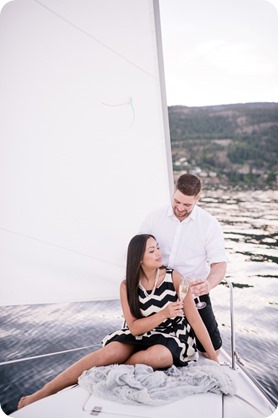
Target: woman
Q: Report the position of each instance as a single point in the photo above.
(157, 333)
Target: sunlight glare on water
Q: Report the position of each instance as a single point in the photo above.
(249, 221)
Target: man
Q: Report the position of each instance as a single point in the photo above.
(192, 242)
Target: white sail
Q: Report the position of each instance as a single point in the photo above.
(83, 144)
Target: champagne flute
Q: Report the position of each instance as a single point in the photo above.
(200, 304)
(183, 287)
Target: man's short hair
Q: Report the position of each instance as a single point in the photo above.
(189, 184)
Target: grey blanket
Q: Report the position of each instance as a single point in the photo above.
(140, 384)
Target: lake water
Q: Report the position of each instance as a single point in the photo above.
(250, 225)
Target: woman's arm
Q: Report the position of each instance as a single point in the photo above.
(198, 326)
(142, 325)
(196, 321)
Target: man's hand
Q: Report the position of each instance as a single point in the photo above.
(200, 287)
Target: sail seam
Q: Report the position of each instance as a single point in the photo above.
(58, 246)
(95, 39)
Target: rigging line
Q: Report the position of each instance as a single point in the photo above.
(46, 355)
(133, 111)
(129, 103)
(60, 247)
(95, 39)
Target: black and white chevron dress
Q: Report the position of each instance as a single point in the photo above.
(176, 334)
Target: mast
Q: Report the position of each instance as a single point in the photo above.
(163, 94)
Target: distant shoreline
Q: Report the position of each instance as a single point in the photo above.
(218, 185)
(227, 146)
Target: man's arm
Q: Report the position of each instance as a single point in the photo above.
(216, 275)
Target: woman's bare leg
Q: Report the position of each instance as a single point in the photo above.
(158, 357)
(113, 353)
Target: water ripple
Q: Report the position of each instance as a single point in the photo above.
(249, 221)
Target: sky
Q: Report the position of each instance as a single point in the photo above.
(220, 51)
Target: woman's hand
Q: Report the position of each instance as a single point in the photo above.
(173, 309)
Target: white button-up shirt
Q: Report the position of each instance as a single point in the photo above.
(190, 246)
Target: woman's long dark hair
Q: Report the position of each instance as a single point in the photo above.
(135, 254)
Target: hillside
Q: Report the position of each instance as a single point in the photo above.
(231, 145)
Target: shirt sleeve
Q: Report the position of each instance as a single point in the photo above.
(215, 243)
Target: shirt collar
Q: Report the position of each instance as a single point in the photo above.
(192, 215)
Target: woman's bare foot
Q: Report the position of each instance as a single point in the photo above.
(26, 400)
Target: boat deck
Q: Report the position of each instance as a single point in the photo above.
(76, 402)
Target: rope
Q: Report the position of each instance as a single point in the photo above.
(46, 355)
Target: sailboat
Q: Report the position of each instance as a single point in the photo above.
(85, 155)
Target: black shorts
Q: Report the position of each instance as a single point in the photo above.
(210, 322)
